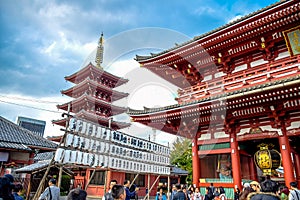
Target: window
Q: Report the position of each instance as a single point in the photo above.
(139, 181)
(98, 178)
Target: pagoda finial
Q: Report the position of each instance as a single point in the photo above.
(99, 55)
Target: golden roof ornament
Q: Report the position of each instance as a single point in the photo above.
(99, 54)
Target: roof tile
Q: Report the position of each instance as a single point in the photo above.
(16, 137)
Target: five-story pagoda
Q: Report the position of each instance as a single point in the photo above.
(94, 94)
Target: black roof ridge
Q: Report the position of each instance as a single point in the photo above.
(195, 38)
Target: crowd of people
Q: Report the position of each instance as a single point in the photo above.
(265, 190)
(10, 190)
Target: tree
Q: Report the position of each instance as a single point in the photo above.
(181, 155)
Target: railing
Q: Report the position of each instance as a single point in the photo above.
(260, 74)
(226, 183)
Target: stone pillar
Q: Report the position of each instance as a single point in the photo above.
(285, 151)
(196, 162)
(235, 160)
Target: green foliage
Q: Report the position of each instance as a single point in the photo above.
(65, 183)
(181, 156)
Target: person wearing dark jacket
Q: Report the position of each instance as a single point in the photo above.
(263, 196)
(6, 187)
(129, 194)
(269, 185)
(180, 194)
(209, 194)
(267, 194)
(237, 193)
(77, 194)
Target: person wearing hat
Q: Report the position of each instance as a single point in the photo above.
(255, 186)
(258, 195)
(52, 192)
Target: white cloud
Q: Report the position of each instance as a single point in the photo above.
(50, 48)
(205, 10)
(122, 67)
(52, 10)
(234, 18)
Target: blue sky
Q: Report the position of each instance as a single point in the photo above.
(43, 41)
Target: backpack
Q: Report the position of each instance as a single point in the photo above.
(295, 194)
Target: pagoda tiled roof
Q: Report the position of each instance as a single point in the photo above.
(104, 121)
(87, 98)
(13, 136)
(225, 95)
(100, 72)
(144, 58)
(116, 95)
(96, 118)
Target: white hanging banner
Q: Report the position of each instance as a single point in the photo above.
(89, 144)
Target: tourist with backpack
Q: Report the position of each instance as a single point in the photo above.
(294, 192)
(52, 192)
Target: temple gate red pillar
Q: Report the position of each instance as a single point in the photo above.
(196, 162)
(253, 171)
(297, 166)
(235, 160)
(285, 151)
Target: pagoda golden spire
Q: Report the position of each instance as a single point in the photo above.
(99, 55)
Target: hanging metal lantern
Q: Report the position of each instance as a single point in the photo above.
(267, 160)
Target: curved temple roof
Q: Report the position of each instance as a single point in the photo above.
(145, 58)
